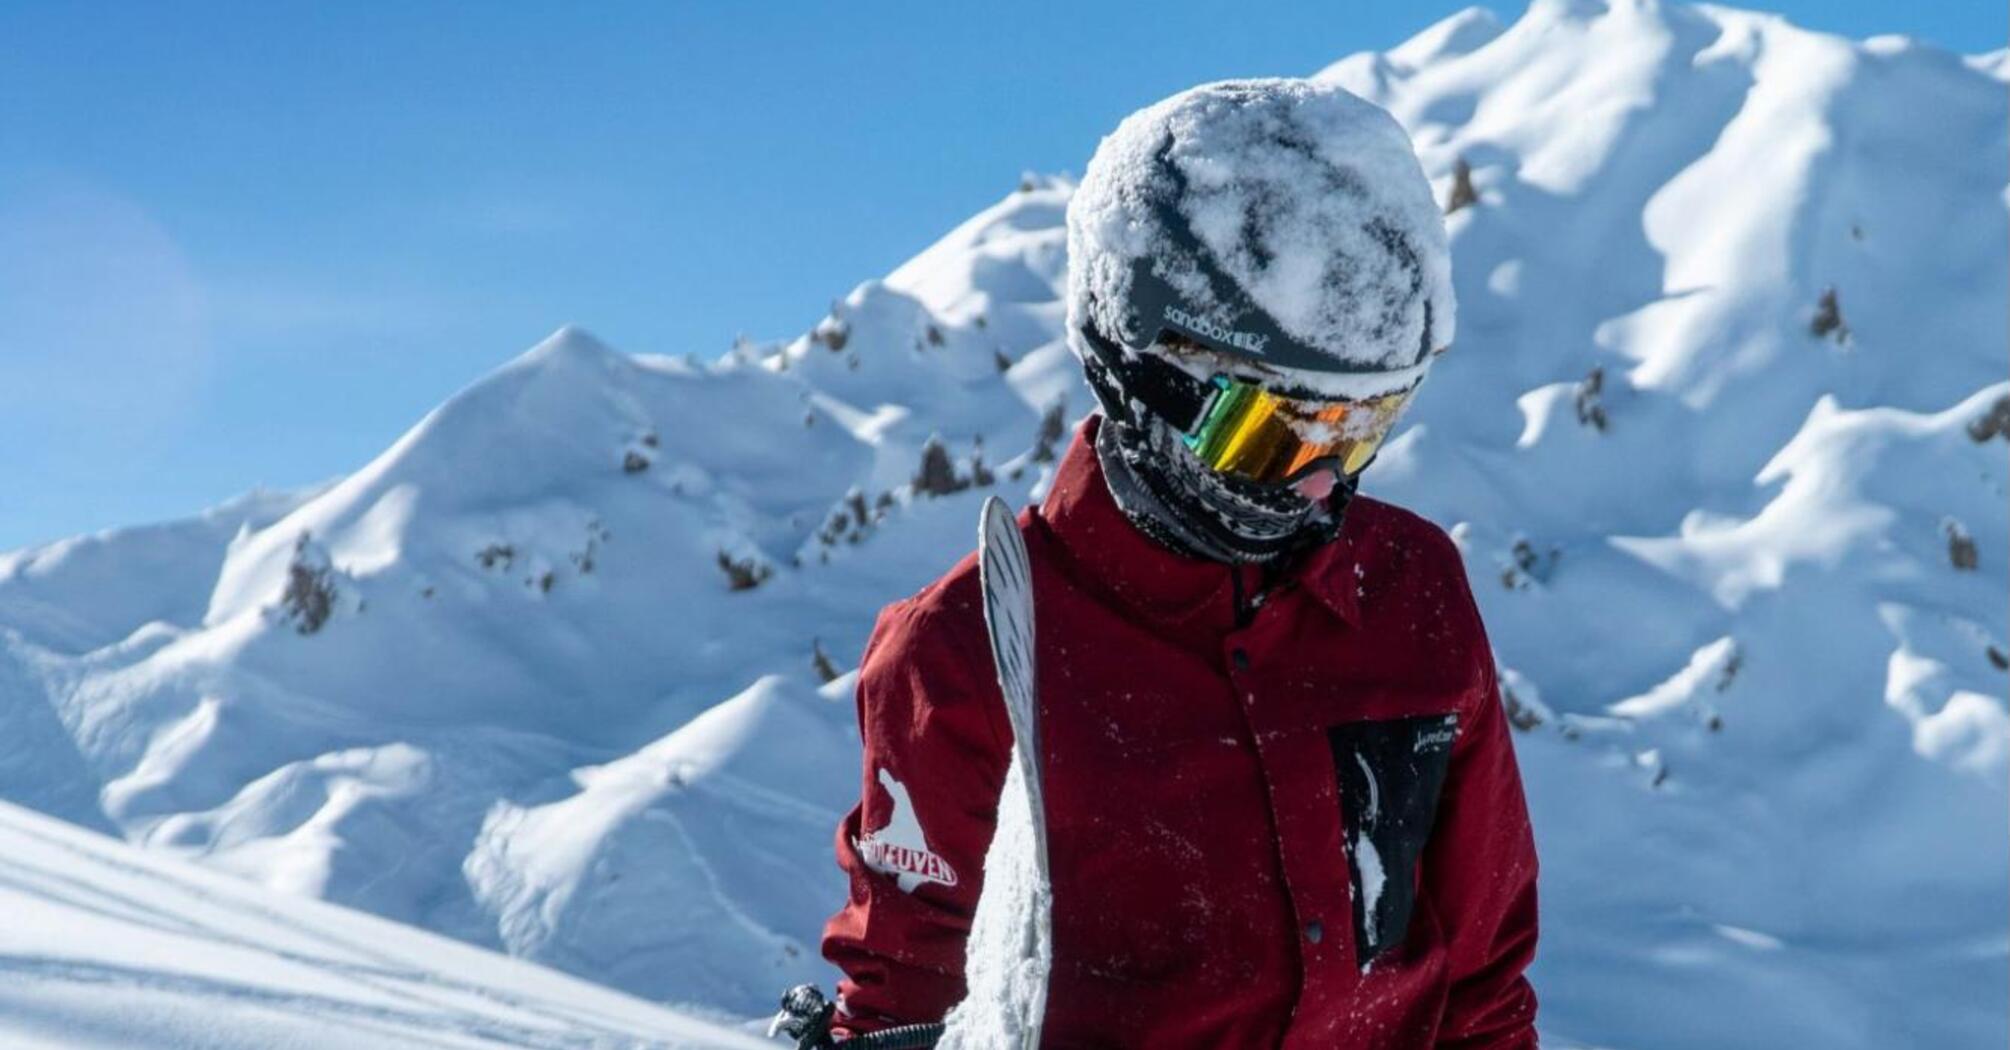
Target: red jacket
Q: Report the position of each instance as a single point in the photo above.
(1277, 817)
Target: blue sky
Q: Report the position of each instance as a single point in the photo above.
(248, 244)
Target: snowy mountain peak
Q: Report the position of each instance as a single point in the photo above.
(1720, 442)
(1458, 34)
(569, 340)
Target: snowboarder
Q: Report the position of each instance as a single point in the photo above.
(1281, 801)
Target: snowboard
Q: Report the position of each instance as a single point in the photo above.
(1009, 954)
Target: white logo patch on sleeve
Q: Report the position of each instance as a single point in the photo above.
(899, 848)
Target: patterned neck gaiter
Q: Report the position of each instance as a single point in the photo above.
(1176, 500)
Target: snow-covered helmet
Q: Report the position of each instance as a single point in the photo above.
(1258, 281)
(1274, 233)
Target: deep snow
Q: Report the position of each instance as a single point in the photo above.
(1742, 559)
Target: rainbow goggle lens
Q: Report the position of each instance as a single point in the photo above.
(1235, 426)
(1251, 433)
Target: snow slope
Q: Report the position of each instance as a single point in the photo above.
(1744, 568)
(498, 682)
(105, 945)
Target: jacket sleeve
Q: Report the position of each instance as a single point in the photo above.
(1483, 878)
(935, 753)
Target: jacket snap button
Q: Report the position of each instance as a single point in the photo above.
(1314, 931)
(1241, 660)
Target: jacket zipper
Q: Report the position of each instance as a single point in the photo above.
(1246, 603)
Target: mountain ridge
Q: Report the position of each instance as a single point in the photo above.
(1738, 552)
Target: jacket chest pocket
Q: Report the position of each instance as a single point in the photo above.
(1390, 773)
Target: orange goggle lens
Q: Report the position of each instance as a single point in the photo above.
(1254, 434)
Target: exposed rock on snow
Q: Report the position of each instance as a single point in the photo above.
(586, 748)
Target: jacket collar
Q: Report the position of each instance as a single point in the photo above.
(1163, 585)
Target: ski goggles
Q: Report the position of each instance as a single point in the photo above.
(1237, 427)
(1251, 433)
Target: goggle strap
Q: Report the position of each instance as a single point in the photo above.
(1165, 388)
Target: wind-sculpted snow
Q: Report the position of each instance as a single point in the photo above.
(1742, 554)
(694, 857)
(1723, 440)
(107, 946)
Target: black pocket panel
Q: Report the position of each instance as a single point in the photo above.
(1390, 774)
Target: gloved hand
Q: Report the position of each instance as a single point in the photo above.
(805, 1016)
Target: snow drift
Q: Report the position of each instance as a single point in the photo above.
(109, 946)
